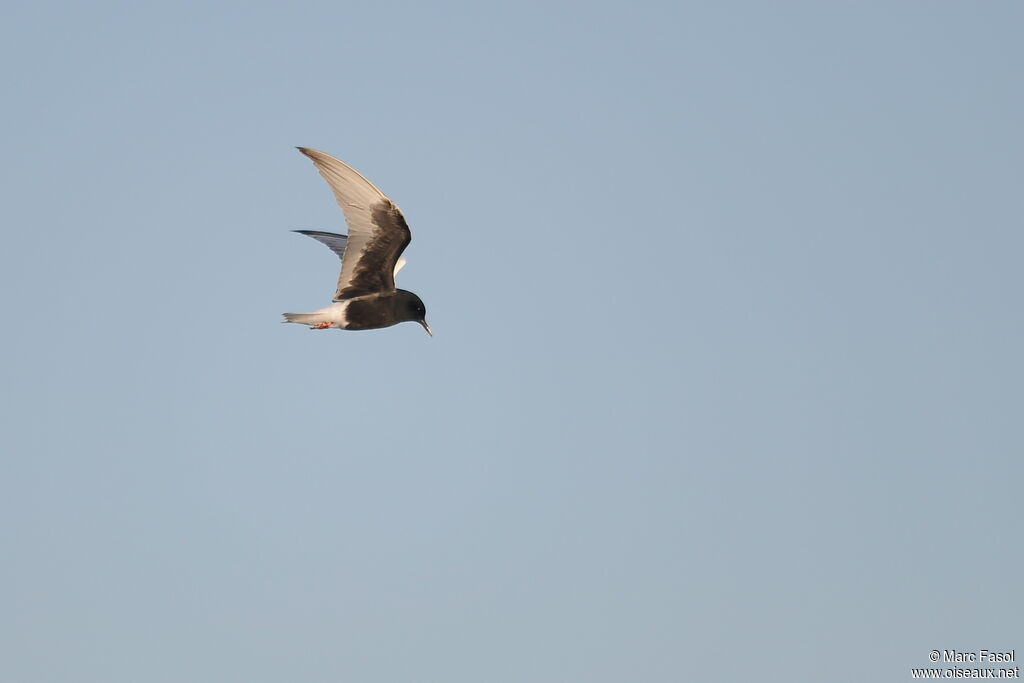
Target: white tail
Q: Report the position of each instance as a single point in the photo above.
(305, 318)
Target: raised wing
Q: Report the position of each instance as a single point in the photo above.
(334, 241)
(378, 233)
(337, 244)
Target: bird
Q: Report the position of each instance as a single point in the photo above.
(371, 256)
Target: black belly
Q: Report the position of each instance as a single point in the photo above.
(371, 313)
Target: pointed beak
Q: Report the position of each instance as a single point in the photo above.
(426, 327)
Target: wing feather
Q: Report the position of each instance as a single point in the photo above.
(334, 241)
(378, 233)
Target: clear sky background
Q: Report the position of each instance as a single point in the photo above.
(726, 382)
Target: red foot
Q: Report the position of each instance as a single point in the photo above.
(321, 326)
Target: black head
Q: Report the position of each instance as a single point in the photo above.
(411, 308)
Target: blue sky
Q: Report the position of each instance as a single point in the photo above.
(726, 381)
